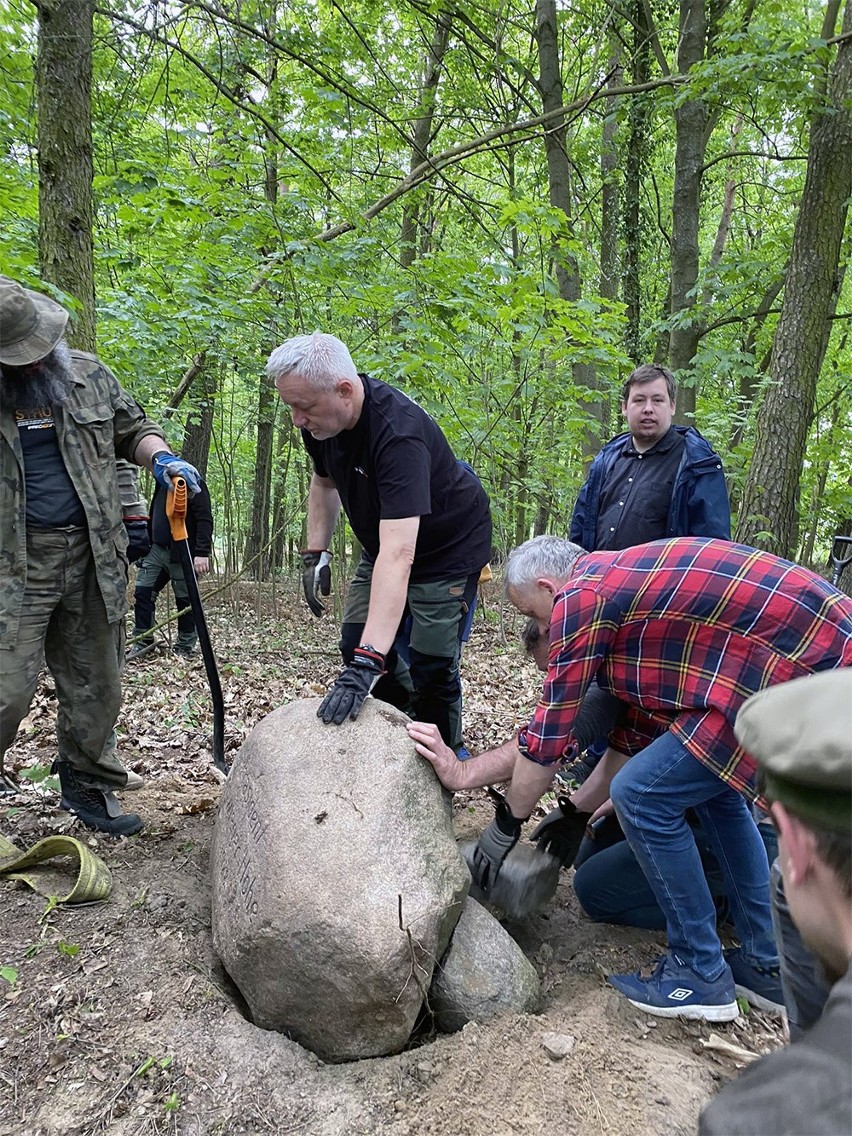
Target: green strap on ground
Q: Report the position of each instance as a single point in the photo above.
(91, 876)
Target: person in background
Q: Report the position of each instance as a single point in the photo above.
(801, 737)
(64, 420)
(423, 521)
(656, 480)
(162, 564)
(134, 509)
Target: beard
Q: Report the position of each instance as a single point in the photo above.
(47, 382)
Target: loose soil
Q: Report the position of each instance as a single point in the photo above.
(119, 1019)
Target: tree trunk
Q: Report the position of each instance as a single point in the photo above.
(610, 203)
(634, 166)
(769, 512)
(423, 132)
(559, 184)
(199, 427)
(64, 91)
(690, 144)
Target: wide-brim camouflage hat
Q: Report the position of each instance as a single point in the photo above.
(30, 324)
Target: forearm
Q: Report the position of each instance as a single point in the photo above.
(388, 592)
(595, 789)
(489, 767)
(150, 445)
(530, 781)
(323, 510)
(476, 772)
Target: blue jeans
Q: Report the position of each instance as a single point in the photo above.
(651, 794)
(612, 888)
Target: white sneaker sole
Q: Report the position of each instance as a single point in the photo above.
(729, 1012)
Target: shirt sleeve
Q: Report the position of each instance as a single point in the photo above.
(403, 478)
(582, 629)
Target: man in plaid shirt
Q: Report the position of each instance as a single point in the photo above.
(683, 631)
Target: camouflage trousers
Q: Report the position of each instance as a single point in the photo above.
(64, 623)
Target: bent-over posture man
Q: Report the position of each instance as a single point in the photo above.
(64, 420)
(682, 631)
(422, 518)
(801, 737)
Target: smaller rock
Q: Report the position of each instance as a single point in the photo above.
(483, 972)
(557, 1045)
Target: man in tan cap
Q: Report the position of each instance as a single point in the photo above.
(64, 420)
(800, 733)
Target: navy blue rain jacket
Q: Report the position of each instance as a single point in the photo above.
(699, 505)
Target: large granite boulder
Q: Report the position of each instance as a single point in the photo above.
(336, 879)
(483, 973)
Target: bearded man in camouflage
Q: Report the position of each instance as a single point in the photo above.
(64, 420)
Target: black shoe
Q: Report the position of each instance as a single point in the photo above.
(140, 649)
(94, 807)
(183, 651)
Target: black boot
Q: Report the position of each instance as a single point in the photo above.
(94, 807)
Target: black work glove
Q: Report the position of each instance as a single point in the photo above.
(494, 845)
(561, 832)
(316, 577)
(138, 538)
(355, 682)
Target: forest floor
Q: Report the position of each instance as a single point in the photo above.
(116, 1018)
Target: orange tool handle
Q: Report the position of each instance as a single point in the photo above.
(176, 501)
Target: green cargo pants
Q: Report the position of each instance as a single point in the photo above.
(64, 623)
(429, 688)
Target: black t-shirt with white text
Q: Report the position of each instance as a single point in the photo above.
(52, 500)
(396, 463)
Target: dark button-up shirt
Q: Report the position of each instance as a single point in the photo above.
(637, 493)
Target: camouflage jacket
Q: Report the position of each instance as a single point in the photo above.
(98, 423)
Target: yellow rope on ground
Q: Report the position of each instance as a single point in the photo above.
(92, 877)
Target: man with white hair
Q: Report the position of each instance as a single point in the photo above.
(422, 519)
(681, 631)
(64, 421)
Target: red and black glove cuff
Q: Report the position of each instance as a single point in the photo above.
(367, 656)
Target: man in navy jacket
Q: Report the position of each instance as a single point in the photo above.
(656, 480)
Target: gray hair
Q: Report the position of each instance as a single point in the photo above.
(551, 557)
(320, 359)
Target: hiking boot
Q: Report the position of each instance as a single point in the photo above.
(140, 650)
(676, 991)
(94, 807)
(760, 985)
(183, 650)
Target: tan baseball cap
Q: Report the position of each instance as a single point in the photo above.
(800, 734)
(30, 324)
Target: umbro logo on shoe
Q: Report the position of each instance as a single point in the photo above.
(680, 994)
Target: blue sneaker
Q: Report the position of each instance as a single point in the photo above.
(760, 985)
(463, 753)
(676, 991)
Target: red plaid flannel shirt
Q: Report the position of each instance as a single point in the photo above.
(684, 631)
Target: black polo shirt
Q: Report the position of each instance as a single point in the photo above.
(395, 463)
(636, 495)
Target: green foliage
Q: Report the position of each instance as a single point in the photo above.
(225, 145)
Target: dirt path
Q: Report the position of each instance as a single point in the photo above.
(120, 1020)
